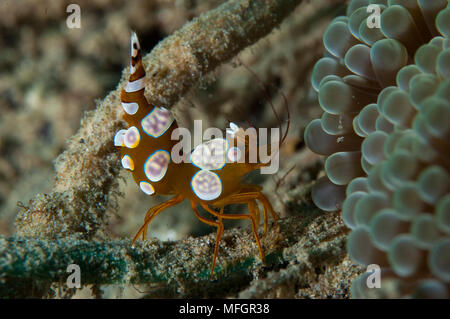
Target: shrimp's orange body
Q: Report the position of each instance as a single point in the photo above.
(212, 182)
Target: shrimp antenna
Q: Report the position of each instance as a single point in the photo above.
(266, 93)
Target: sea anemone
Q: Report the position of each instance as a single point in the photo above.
(385, 129)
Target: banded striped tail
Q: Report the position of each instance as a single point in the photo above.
(132, 95)
(137, 73)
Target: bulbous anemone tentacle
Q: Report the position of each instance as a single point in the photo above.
(385, 131)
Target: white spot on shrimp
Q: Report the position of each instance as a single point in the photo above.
(118, 138)
(147, 188)
(232, 130)
(234, 154)
(135, 86)
(210, 155)
(130, 108)
(132, 137)
(156, 165)
(157, 122)
(206, 185)
(135, 46)
(127, 162)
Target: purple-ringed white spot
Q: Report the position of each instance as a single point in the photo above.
(132, 137)
(118, 138)
(206, 185)
(210, 155)
(156, 165)
(234, 154)
(130, 108)
(157, 122)
(127, 162)
(147, 188)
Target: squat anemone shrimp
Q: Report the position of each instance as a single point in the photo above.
(211, 177)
